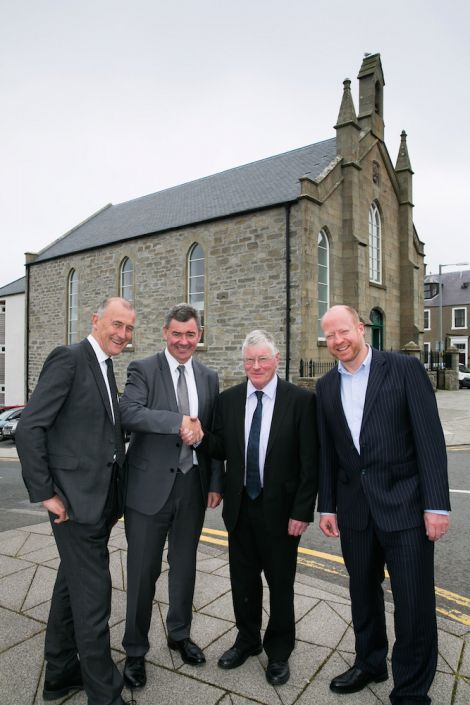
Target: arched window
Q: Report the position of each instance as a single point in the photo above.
(323, 290)
(377, 321)
(375, 245)
(196, 281)
(126, 280)
(72, 307)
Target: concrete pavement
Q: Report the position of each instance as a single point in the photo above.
(325, 642)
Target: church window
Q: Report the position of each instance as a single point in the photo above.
(323, 287)
(196, 282)
(375, 245)
(126, 280)
(72, 307)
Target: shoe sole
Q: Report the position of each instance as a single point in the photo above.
(56, 694)
(379, 679)
(240, 663)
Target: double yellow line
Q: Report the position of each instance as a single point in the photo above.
(307, 556)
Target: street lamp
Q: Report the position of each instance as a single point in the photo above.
(457, 264)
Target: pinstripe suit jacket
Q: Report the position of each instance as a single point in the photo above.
(402, 467)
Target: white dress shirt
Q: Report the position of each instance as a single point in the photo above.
(268, 399)
(190, 383)
(102, 357)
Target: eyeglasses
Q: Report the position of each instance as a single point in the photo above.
(263, 360)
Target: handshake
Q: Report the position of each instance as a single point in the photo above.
(191, 430)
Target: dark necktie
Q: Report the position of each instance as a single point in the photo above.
(185, 462)
(253, 481)
(120, 448)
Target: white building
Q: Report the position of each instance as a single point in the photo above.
(12, 343)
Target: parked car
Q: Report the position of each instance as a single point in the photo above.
(9, 429)
(7, 415)
(464, 376)
(8, 407)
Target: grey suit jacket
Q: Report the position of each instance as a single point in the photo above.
(65, 437)
(402, 467)
(149, 410)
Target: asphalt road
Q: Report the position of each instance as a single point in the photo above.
(318, 555)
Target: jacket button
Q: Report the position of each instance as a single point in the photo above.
(363, 472)
(172, 469)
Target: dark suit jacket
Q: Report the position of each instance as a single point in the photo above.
(150, 411)
(290, 470)
(402, 467)
(65, 437)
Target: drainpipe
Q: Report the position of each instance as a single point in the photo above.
(26, 337)
(287, 291)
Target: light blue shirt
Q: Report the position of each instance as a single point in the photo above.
(353, 395)
(268, 399)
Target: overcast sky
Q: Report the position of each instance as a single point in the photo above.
(102, 101)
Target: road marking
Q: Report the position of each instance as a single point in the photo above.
(461, 491)
(209, 536)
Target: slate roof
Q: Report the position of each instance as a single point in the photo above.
(456, 289)
(16, 287)
(263, 183)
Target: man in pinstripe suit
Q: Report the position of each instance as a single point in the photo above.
(384, 488)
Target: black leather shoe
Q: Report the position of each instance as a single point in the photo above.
(355, 679)
(134, 672)
(277, 672)
(237, 655)
(189, 651)
(59, 687)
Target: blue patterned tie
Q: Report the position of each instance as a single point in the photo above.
(253, 481)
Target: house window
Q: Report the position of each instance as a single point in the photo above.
(196, 282)
(427, 319)
(72, 308)
(375, 245)
(323, 289)
(459, 317)
(431, 289)
(426, 354)
(126, 280)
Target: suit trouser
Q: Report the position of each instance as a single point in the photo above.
(409, 557)
(253, 549)
(181, 520)
(80, 608)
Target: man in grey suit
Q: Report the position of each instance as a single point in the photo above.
(169, 486)
(383, 485)
(72, 450)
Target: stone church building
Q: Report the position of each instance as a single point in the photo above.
(270, 244)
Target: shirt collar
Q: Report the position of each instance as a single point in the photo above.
(100, 354)
(365, 364)
(269, 389)
(174, 364)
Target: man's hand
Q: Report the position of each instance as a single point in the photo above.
(213, 499)
(329, 525)
(436, 525)
(56, 506)
(191, 430)
(296, 528)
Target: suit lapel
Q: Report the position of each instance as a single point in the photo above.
(201, 388)
(165, 374)
(376, 376)
(238, 411)
(98, 375)
(337, 404)
(281, 406)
